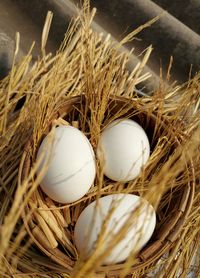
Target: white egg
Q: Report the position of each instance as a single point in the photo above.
(70, 164)
(123, 149)
(126, 207)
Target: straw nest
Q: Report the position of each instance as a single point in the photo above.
(86, 84)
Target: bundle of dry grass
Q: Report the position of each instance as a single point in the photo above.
(86, 83)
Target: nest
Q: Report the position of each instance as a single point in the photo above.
(51, 226)
(87, 84)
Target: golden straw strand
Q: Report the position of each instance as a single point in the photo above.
(75, 124)
(41, 237)
(57, 213)
(67, 215)
(61, 121)
(46, 230)
(49, 218)
(44, 227)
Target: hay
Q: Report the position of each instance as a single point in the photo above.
(90, 67)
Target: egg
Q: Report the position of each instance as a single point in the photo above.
(125, 207)
(70, 164)
(123, 150)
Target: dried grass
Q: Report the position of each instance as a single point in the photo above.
(91, 66)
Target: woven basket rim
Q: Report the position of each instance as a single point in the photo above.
(149, 254)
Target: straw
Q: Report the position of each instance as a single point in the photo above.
(86, 85)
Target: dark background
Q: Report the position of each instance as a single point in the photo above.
(177, 33)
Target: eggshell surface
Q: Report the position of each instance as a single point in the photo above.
(126, 207)
(123, 149)
(70, 164)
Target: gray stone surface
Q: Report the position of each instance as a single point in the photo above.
(63, 11)
(6, 53)
(12, 20)
(169, 36)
